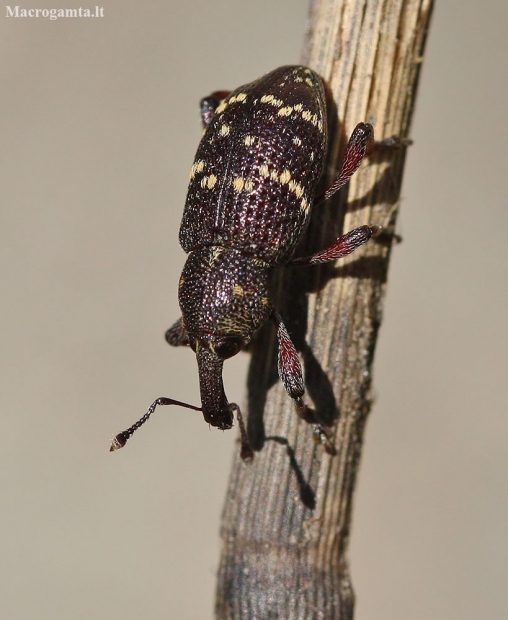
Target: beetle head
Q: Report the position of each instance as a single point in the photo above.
(224, 298)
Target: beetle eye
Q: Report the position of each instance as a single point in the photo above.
(227, 348)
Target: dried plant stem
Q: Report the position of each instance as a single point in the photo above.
(287, 516)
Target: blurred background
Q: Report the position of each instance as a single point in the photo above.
(99, 125)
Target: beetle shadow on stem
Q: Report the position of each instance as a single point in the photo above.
(291, 299)
(307, 494)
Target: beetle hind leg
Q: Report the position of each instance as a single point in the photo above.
(209, 104)
(359, 145)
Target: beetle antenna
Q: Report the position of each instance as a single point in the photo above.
(121, 439)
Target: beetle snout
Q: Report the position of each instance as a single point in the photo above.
(219, 419)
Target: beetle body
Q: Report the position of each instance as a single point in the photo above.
(251, 191)
(256, 168)
(250, 194)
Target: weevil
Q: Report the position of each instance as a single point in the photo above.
(251, 192)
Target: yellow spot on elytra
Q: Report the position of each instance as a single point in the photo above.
(304, 205)
(271, 100)
(296, 188)
(285, 177)
(309, 81)
(298, 79)
(249, 185)
(274, 176)
(297, 141)
(298, 107)
(285, 111)
(249, 140)
(212, 180)
(265, 301)
(197, 166)
(221, 107)
(238, 184)
(320, 125)
(263, 170)
(306, 115)
(240, 97)
(314, 119)
(224, 130)
(237, 290)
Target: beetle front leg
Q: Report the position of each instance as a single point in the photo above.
(176, 335)
(290, 373)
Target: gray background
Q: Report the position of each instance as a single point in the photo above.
(99, 123)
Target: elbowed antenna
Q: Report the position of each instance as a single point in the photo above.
(121, 439)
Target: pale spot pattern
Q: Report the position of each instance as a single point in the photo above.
(285, 177)
(263, 170)
(296, 188)
(197, 166)
(221, 107)
(238, 184)
(271, 100)
(240, 97)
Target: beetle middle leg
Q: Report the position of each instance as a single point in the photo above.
(290, 373)
(342, 246)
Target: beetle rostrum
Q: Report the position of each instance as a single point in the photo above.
(251, 191)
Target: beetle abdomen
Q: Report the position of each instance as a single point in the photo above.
(255, 173)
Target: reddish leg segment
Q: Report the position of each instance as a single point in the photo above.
(343, 246)
(360, 141)
(290, 373)
(209, 104)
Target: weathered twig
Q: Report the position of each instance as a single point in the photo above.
(287, 516)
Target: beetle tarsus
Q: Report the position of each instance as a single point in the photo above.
(246, 451)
